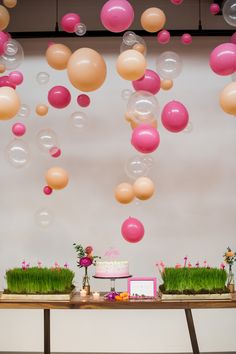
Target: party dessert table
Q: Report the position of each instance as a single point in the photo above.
(88, 303)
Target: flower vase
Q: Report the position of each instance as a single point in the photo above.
(230, 280)
(86, 285)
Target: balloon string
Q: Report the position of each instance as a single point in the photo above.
(199, 15)
(57, 15)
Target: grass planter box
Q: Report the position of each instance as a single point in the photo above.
(194, 284)
(39, 284)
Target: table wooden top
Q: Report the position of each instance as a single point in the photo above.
(88, 303)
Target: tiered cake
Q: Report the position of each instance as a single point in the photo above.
(112, 269)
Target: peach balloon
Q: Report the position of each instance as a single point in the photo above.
(166, 84)
(4, 18)
(153, 19)
(152, 123)
(228, 98)
(2, 68)
(124, 193)
(41, 109)
(9, 103)
(86, 69)
(58, 55)
(131, 65)
(140, 48)
(143, 188)
(10, 3)
(57, 178)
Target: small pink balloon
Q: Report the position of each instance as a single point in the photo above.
(18, 129)
(163, 37)
(69, 22)
(145, 138)
(176, 2)
(55, 151)
(59, 97)
(150, 82)
(117, 15)
(186, 38)
(83, 100)
(214, 8)
(4, 81)
(223, 59)
(47, 190)
(233, 38)
(16, 77)
(174, 116)
(132, 230)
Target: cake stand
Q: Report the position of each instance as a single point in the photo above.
(112, 279)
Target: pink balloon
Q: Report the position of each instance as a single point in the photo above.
(176, 2)
(214, 8)
(18, 129)
(83, 100)
(55, 151)
(223, 59)
(4, 81)
(150, 82)
(186, 38)
(117, 15)
(233, 38)
(145, 138)
(174, 116)
(132, 230)
(4, 37)
(59, 97)
(163, 37)
(47, 190)
(69, 22)
(16, 77)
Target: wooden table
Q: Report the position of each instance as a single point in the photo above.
(149, 304)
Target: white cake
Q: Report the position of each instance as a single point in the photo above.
(110, 269)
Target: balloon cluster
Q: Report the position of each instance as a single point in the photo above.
(143, 188)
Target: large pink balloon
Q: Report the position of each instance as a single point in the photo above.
(5, 81)
(145, 138)
(59, 97)
(174, 116)
(223, 59)
(69, 22)
(132, 230)
(150, 82)
(117, 15)
(4, 37)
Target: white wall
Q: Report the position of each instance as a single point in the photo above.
(192, 212)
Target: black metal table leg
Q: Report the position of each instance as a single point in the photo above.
(47, 331)
(192, 332)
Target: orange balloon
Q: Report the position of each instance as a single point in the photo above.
(143, 188)
(131, 65)
(124, 193)
(153, 19)
(140, 48)
(2, 68)
(86, 69)
(10, 3)
(166, 84)
(9, 103)
(58, 55)
(57, 178)
(4, 18)
(41, 109)
(228, 99)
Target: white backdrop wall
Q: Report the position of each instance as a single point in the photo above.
(192, 213)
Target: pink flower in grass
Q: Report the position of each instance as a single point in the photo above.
(189, 265)
(197, 264)
(66, 265)
(222, 266)
(39, 264)
(178, 265)
(185, 261)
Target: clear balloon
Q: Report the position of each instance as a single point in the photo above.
(18, 153)
(80, 29)
(13, 54)
(133, 41)
(79, 120)
(24, 111)
(229, 12)
(42, 78)
(43, 217)
(46, 139)
(142, 107)
(129, 38)
(125, 94)
(136, 167)
(169, 65)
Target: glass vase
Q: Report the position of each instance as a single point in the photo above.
(230, 280)
(85, 284)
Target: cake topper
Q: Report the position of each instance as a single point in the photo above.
(112, 253)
